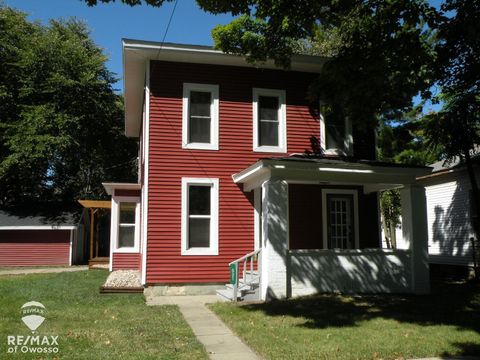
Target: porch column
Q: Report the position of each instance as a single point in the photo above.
(415, 235)
(275, 239)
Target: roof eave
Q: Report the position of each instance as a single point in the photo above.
(321, 172)
(136, 54)
(111, 186)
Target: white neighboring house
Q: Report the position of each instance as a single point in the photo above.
(449, 211)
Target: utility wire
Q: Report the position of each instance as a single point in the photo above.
(168, 27)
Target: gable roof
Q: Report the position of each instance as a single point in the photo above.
(51, 215)
(138, 53)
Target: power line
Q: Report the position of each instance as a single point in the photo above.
(168, 27)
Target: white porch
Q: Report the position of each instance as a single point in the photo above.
(286, 272)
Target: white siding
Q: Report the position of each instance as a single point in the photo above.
(448, 210)
(350, 271)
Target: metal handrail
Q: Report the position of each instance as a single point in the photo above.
(245, 259)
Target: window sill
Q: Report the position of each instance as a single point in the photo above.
(270, 149)
(127, 250)
(337, 152)
(200, 252)
(200, 146)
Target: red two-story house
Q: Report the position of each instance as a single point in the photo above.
(230, 191)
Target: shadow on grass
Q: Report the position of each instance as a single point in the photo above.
(450, 303)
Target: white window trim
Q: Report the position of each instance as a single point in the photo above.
(213, 249)
(214, 111)
(257, 217)
(116, 200)
(282, 119)
(326, 192)
(348, 138)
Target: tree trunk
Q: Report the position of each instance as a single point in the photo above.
(393, 235)
(385, 231)
(476, 207)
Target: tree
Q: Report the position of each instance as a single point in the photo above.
(379, 52)
(380, 56)
(456, 126)
(60, 119)
(401, 142)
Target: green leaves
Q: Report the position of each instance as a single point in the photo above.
(456, 125)
(61, 130)
(379, 52)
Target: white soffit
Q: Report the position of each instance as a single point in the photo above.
(383, 176)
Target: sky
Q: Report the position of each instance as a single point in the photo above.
(109, 23)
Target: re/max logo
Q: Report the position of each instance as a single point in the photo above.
(32, 340)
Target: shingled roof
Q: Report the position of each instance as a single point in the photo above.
(41, 214)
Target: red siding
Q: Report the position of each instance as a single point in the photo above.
(126, 192)
(34, 247)
(126, 261)
(305, 216)
(169, 162)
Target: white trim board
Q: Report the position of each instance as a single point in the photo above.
(214, 116)
(144, 193)
(347, 141)
(71, 249)
(116, 200)
(282, 120)
(39, 227)
(214, 216)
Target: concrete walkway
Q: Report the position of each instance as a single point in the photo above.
(45, 270)
(218, 339)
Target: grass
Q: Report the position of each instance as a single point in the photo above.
(4, 268)
(445, 323)
(91, 325)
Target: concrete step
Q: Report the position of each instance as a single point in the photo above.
(243, 286)
(226, 295)
(247, 293)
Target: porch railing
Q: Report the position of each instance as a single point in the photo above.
(247, 260)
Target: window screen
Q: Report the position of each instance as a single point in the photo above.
(200, 116)
(268, 109)
(199, 216)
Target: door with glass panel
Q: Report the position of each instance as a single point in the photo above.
(340, 221)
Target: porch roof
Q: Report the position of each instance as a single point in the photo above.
(373, 175)
(111, 186)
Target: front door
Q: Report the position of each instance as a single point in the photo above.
(340, 221)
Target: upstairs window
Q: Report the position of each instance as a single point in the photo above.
(336, 133)
(199, 216)
(269, 121)
(200, 116)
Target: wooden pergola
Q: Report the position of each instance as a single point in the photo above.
(93, 206)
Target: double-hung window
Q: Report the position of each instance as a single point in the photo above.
(335, 131)
(200, 116)
(199, 216)
(269, 120)
(125, 221)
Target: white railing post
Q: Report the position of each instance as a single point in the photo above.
(244, 260)
(235, 286)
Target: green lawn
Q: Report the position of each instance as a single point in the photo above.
(447, 322)
(94, 326)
